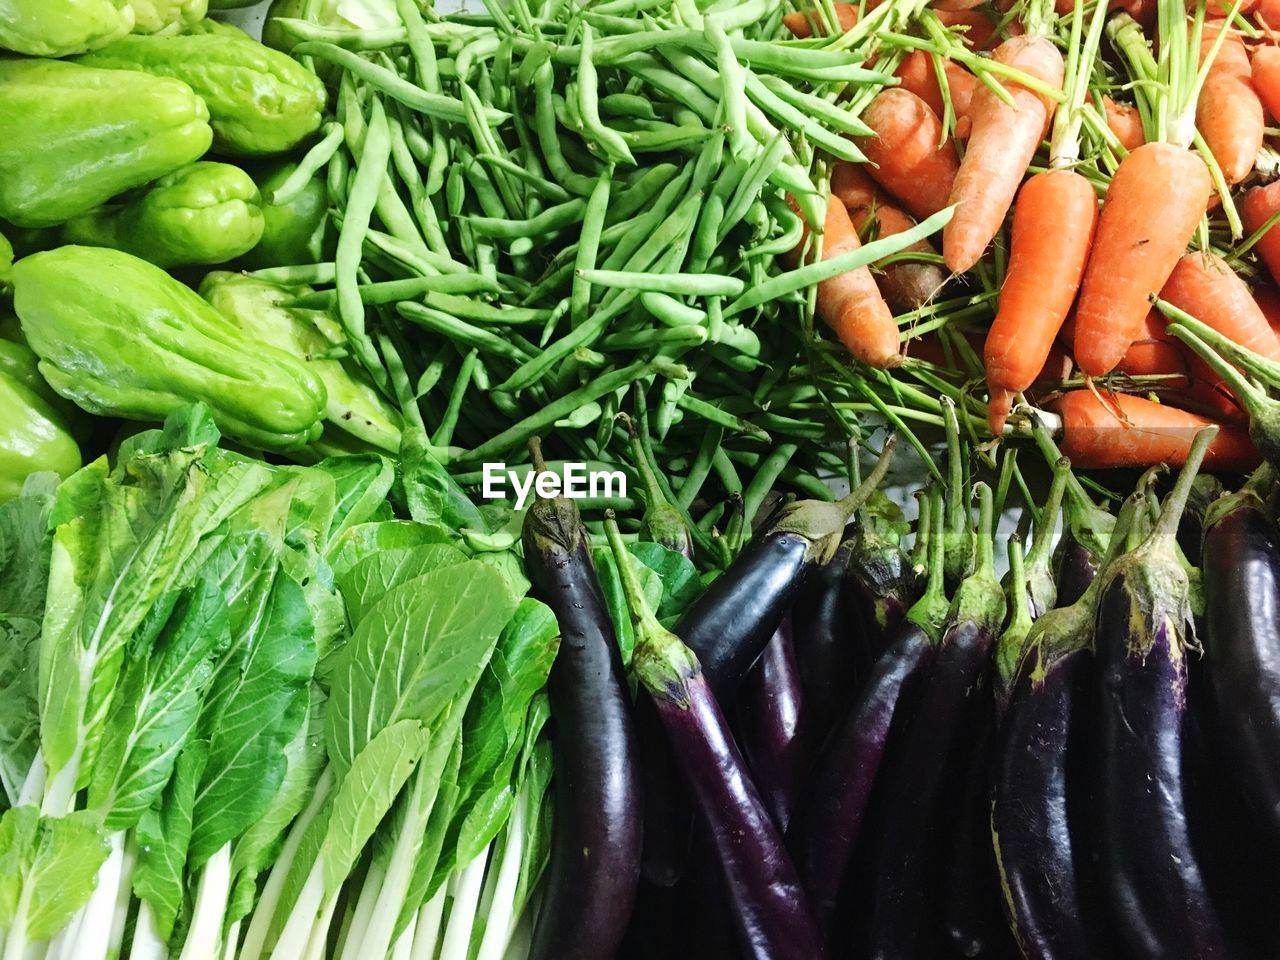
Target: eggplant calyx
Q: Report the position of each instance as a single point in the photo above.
(929, 613)
(980, 598)
(1012, 642)
(821, 523)
(1042, 586)
(1155, 572)
(1253, 494)
(660, 659)
(554, 522)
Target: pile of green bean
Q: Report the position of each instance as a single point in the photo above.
(549, 213)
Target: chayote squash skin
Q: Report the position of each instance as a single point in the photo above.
(261, 102)
(6, 261)
(33, 438)
(72, 137)
(167, 17)
(120, 337)
(353, 406)
(59, 28)
(294, 232)
(204, 213)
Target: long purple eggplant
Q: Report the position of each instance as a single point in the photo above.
(825, 837)
(826, 640)
(595, 857)
(905, 913)
(772, 727)
(769, 907)
(728, 626)
(1041, 775)
(1241, 558)
(1153, 880)
(881, 582)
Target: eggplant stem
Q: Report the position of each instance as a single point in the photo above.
(956, 514)
(1176, 503)
(1042, 542)
(924, 531)
(929, 613)
(1011, 642)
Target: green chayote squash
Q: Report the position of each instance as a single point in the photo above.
(58, 28)
(120, 337)
(167, 16)
(19, 362)
(354, 407)
(204, 213)
(230, 4)
(72, 137)
(260, 101)
(293, 232)
(33, 438)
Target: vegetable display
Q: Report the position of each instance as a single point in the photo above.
(639, 478)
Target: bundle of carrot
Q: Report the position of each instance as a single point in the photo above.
(1097, 157)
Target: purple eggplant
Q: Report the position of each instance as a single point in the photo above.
(825, 837)
(769, 907)
(1241, 557)
(1149, 870)
(932, 754)
(826, 641)
(1041, 774)
(881, 581)
(770, 726)
(728, 626)
(595, 858)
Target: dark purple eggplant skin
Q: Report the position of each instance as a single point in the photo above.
(1242, 651)
(972, 922)
(825, 836)
(771, 725)
(927, 768)
(1033, 816)
(1152, 879)
(730, 624)
(594, 868)
(827, 640)
(1076, 569)
(880, 586)
(770, 909)
(668, 808)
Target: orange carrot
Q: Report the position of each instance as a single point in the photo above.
(1053, 226)
(1266, 78)
(1267, 297)
(1229, 112)
(909, 163)
(801, 22)
(1001, 145)
(919, 77)
(1152, 207)
(1257, 207)
(1141, 10)
(906, 284)
(1125, 122)
(1268, 13)
(851, 303)
(1129, 431)
(1205, 286)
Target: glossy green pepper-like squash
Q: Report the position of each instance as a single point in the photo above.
(167, 16)
(294, 232)
(354, 407)
(72, 137)
(33, 438)
(261, 102)
(120, 337)
(58, 28)
(204, 213)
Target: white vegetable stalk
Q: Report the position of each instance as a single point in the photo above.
(317, 948)
(462, 915)
(255, 938)
(204, 938)
(92, 926)
(351, 940)
(426, 934)
(124, 897)
(147, 942)
(33, 786)
(233, 937)
(500, 920)
(304, 917)
(403, 950)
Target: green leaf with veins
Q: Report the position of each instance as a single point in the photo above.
(256, 704)
(368, 581)
(366, 793)
(24, 577)
(156, 708)
(163, 836)
(361, 483)
(368, 539)
(414, 652)
(61, 871)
